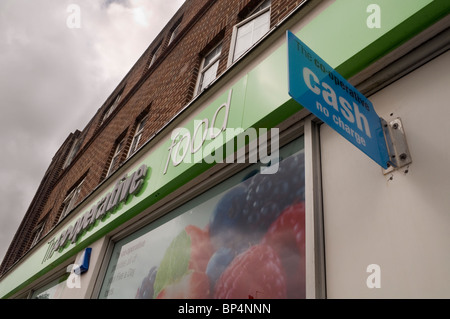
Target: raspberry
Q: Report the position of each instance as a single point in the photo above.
(287, 236)
(201, 248)
(145, 291)
(255, 273)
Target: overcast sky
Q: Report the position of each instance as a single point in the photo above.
(55, 77)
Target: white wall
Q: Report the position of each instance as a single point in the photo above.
(83, 289)
(400, 221)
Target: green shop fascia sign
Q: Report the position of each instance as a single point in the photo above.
(126, 186)
(259, 99)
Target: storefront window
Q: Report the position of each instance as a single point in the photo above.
(244, 238)
(52, 290)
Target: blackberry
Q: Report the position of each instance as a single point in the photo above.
(245, 212)
(145, 291)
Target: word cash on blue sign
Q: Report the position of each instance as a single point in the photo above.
(329, 96)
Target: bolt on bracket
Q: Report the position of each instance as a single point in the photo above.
(399, 155)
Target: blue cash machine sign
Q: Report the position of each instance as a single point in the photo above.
(323, 91)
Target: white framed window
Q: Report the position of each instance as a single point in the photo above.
(250, 31)
(116, 157)
(73, 151)
(70, 200)
(209, 67)
(155, 54)
(137, 136)
(112, 107)
(37, 233)
(174, 33)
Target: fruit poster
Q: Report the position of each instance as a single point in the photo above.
(245, 238)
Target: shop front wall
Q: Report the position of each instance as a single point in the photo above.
(397, 223)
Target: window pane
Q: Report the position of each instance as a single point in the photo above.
(75, 147)
(141, 125)
(174, 34)
(208, 76)
(261, 26)
(70, 200)
(112, 165)
(250, 33)
(115, 158)
(243, 39)
(262, 6)
(212, 55)
(69, 206)
(137, 136)
(119, 147)
(135, 144)
(155, 55)
(52, 290)
(36, 236)
(243, 238)
(116, 102)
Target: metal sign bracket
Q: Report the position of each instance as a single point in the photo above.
(399, 155)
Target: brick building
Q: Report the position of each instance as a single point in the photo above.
(212, 58)
(136, 106)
